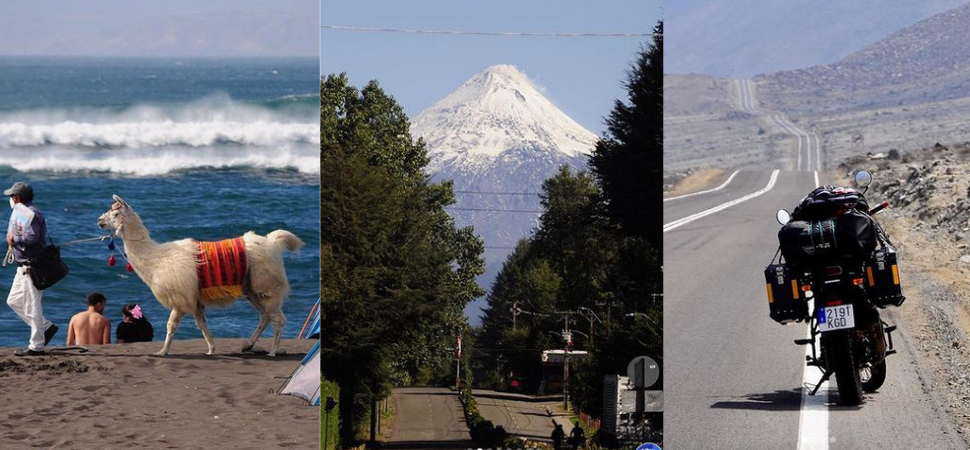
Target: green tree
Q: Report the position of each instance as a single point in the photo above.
(628, 162)
(600, 236)
(396, 272)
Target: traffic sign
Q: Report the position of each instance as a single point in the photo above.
(643, 372)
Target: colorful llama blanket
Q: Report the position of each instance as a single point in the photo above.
(221, 268)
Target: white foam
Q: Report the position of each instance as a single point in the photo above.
(163, 161)
(156, 139)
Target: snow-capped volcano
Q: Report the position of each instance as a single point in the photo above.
(498, 138)
(496, 111)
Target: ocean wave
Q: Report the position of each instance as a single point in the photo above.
(157, 134)
(215, 120)
(305, 159)
(293, 100)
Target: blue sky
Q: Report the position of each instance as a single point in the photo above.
(159, 28)
(582, 76)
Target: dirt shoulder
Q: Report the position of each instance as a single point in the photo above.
(693, 181)
(929, 222)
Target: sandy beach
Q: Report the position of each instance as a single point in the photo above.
(118, 396)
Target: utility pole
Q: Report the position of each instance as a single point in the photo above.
(609, 312)
(567, 337)
(458, 370)
(590, 315)
(515, 313)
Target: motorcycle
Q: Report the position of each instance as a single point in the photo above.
(830, 258)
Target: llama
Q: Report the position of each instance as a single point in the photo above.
(172, 271)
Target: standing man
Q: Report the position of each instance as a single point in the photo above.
(90, 327)
(26, 234)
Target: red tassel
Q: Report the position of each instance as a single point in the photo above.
(111, 260)
(130, 269)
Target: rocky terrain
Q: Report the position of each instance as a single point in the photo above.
(929, 222)
(705, 127)
(927, 62)
(909, 90)
(730, 38)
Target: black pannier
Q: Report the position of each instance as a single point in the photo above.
(882, 279)
(786, 301)
(806, 243)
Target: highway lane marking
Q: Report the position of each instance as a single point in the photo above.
(677, 223)
(813, 420)
(818, 153)
(790, 128)
(787, 127)
(816, 179)
(704, 192)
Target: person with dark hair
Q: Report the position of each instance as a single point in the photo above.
(557, 434)
(26, 236)
(577, 437)
(134, 326)
(90, 327)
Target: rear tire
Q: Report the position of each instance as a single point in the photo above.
(877, 376)
(839, 347)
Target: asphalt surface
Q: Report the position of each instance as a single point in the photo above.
(428, 418)
(521, 416)
(733, 377)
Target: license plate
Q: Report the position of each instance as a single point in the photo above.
(833, 318)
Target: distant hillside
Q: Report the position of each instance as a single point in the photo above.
(686, 95)
(743, 38)
(929, 61)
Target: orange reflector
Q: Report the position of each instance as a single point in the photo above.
(857, 281)
(794, 289)
(771, 298)
(895, 275)
(806, 287)
(872, 281)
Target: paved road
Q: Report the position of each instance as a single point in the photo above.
(521, 416)
(428, 418)
(733, 377)
(808, 153)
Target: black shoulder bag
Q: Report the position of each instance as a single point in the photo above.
(47, 268)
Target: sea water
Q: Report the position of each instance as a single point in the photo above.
(201, 148)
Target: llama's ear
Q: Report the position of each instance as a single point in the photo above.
(121, 201)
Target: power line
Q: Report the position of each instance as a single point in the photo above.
(482, 33)
(455, 208)
(496, 193)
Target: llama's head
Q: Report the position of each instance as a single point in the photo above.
(115, 217)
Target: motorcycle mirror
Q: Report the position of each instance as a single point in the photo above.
(783, 216)
(862, 178)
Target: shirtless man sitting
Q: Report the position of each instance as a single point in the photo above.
(90, 327)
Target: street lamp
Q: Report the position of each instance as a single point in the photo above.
(640, 314)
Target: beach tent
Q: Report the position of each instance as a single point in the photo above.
(305, 380)
(311, 328)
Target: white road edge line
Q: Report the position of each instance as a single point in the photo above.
(677, 223)
(704, 192)
(818, 152)
(816, 179)
(813, 420)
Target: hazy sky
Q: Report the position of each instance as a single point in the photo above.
(742, 38)
(159, 28)
(582, 76)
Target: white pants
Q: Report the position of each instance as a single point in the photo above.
(24, 299)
